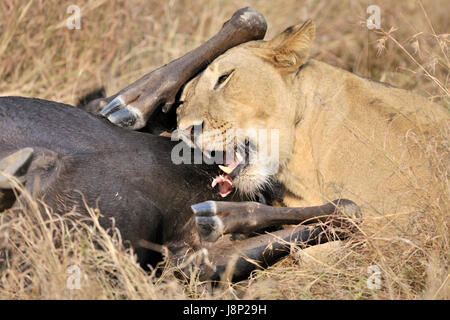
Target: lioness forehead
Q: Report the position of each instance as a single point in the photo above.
(242, 55)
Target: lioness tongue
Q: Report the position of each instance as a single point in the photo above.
(225, 184)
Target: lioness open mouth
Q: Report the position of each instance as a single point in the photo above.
(233, 164)
(241, 165)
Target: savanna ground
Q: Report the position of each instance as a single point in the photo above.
(121, 40)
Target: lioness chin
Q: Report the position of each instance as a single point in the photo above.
(339, 134)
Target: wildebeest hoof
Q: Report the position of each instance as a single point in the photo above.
(123, 118)
(205, 209)
(123, 115)
(112, 107)
(210, 227)
(348, 208)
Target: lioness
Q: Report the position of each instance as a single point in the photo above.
(340, 135)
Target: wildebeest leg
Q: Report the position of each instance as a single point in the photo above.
(215, 218)
(237, 259)
(132, 106)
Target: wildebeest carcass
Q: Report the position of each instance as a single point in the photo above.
(65, 156)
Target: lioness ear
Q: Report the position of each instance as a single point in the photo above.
(290, 49)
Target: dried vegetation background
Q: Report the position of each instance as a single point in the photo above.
(121, 40)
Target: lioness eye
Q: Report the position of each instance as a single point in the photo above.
(222, 79)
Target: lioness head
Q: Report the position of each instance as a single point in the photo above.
(243, 103)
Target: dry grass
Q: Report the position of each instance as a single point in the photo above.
(121, 40)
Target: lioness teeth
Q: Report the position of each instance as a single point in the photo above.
(226, 169)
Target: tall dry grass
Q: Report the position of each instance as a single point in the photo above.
(121, 40)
